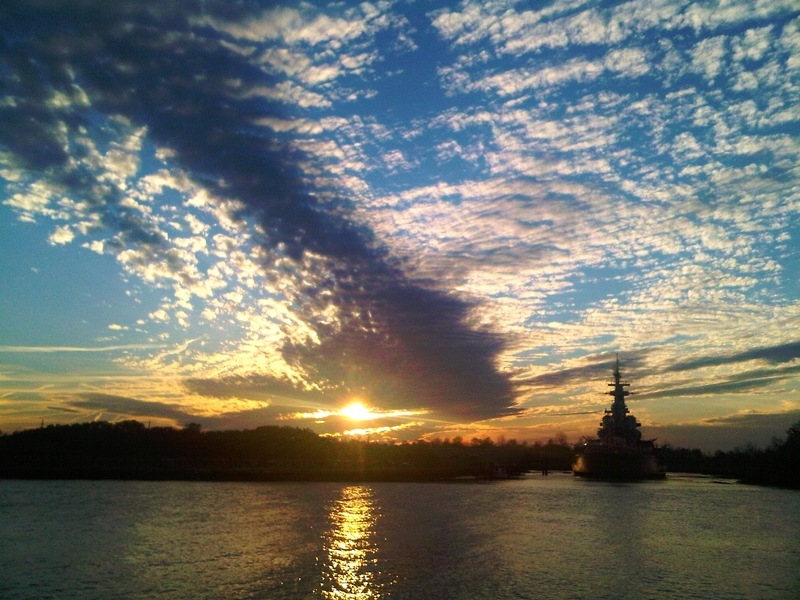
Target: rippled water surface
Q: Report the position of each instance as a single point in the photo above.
(539, 537)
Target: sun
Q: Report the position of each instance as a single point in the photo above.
(356, 411)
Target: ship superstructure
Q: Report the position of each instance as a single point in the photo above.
(619, 451)
(618, 426)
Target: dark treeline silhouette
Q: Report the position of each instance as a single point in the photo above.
(778, 464)
(130, 450)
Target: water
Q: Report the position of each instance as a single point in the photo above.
(540, 537)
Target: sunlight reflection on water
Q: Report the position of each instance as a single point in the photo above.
(552, 537)
(350, 551)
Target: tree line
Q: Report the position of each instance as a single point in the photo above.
(131, 450)
(778, 464)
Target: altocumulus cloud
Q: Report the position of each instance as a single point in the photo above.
(158, 66)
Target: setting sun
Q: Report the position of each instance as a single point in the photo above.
(356, 411)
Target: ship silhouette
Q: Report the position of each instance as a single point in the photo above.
(619, 452)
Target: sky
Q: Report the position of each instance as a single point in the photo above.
(402, 219)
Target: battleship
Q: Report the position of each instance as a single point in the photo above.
(619, 452)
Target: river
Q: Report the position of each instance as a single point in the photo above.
(546, 537)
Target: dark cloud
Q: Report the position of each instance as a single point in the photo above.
(430, 361)
(153, 64)
(633, 365)
(126, 407)
(131, 407)
(754, 419)
(415, 351)
(250, 386)
(771, 354)
(44, 112)
(597, 368)
(566, 376)
(727, 432)
(63, 409)
(741, 382)
(722, 387)
(21, 396)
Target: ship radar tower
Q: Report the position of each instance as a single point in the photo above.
(619, 427)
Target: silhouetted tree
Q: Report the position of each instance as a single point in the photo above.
(128, 449)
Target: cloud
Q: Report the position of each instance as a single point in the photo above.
(629, 62)
(756, 419)
(309, 50)
(61, 235)
(592, 369)
(598, 177)
(152, 67)
(556, 379)
(52, 349)
(561, 25)
(63, 409)
(728, 432)
(130, 407)
(738, 383)
(781, 353)
(127, 407)
(256, 386)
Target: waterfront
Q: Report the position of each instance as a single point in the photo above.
(538, 537)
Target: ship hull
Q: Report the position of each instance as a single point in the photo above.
(603, 462)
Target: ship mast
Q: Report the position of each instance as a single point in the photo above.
(617, 425)
(618, 408)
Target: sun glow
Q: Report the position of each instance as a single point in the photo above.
(356, 411)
